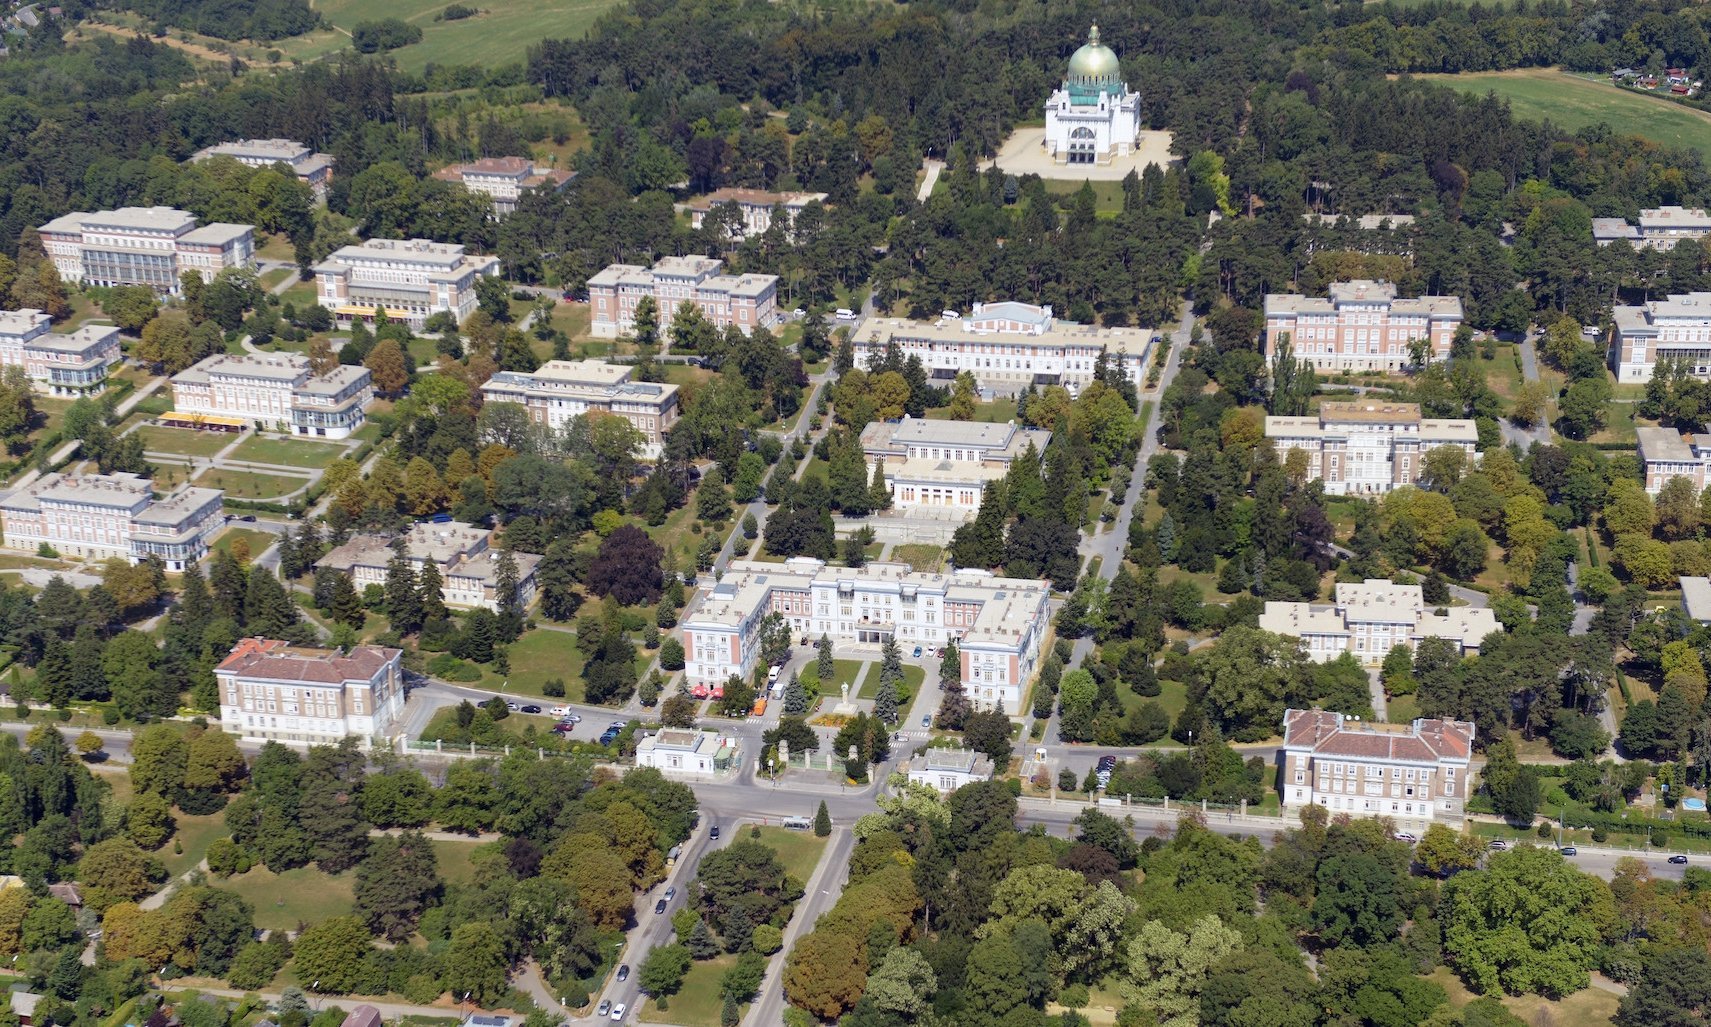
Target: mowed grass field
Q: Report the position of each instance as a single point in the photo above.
(500, 35)
(1573, 102)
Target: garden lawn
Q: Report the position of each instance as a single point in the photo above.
(250, 484)
(454, 860)
(697, 1003)
(195, 834)
(1585, 1007)
(1402, 709)
(258, 540)
(183, 441)
(847, 672)
(912, 678)
(303, 895)
(799, 851)
(286, 450)
(501, 34)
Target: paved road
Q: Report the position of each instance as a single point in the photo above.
(1110, 546)
(821, 893)
(932, 167)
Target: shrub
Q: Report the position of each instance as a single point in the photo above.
(1545, 829)
(386, 34)
(1660, 838)
(553, 689)
(1599, 834)
(1073, 996)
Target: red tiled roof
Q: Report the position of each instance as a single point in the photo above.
(278, 660)
(1330, 734)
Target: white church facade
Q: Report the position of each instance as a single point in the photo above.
(1094, 116)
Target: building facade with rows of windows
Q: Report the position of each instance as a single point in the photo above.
(149, 246)
(272, 690)
(1371, 617)
(997, 623)
(68, 364)
(1677, 329)
(1367, 448)
(746, 301)
(1412, 773)
(1007, 346)
(280, 391)
(409, 279)
(1361, 326)
(561, 390)
(101, 516)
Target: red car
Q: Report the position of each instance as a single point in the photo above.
(564, 728)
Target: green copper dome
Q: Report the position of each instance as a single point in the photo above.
(1094, 64)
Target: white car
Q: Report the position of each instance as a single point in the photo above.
(559, 711)
(618, 1011)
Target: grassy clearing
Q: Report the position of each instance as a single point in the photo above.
(454, 860)
(304, 895)
(258, 541)
(250, 484)
(288, 451)
(799, 851)
(996, 412)
(1574, 102)
(918, 556)
(183, 441)
(1402, 709)
(500, 34)
(195, 834)
(697, 1003)
(1502, 372)
(1587, 1006)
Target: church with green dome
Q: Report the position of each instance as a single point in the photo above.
(1094, 116)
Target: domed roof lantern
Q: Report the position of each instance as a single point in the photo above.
(1094, 67)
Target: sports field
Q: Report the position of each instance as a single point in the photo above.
(500, 34)
(1574, 102)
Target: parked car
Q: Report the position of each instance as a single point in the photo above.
(571, 718)
(927, 721)
(623, 971)
(670, 893)
(248, 518)
(1497, 845)
(1678, 860)
(659, 907)
(531, 709)
(605, 1007)
(618, 1011)
(607, 736)
(1569, 850)
(917, 653)
(714, 834)
(564, 728)
(513, 707)
(1404, 836)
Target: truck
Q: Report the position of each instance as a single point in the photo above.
(759, 708)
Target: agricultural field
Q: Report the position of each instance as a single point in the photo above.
(501, 34)
(1574, 102)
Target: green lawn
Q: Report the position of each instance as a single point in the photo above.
(454, 860)
(912, 678)
(918, 556)
(286, 450)
(1573, 102)
(304, 895)
(501, 34)
(799, 851)
(195, 834)
(847, 672)
(998, 411)
(1586, 1007)
(1402, 709)
(697, 1003)
(183, 441)
(258, 540)
(250, 484)
(541, 655)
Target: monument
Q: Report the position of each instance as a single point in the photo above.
(1094, 116)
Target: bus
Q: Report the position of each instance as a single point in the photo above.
(797, 823)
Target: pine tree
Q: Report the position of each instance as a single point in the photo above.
(890, 663)
(885, 703)
(1166, 538)
(795, 697)
(269, 611)
(430, 592)
(555, 579)
(701, 943)
(195, 605)
(346, 606)
(824, 665)
(878, 496)
(822, 821)
(228, 584)
(53, 673)
(505, 584)
(402, 602)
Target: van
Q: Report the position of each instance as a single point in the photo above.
(845, 314)
(949, 315)
(772, 675)
(797, 823)
(778, 689)
(759, 707)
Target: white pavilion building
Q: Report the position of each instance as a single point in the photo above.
(1094, 116)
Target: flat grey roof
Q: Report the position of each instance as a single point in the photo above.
(1663, 444)
(1696, 598)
